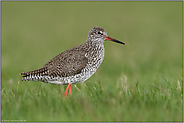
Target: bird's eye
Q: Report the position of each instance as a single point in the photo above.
(100, 32)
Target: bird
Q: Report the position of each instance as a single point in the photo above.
(74, 65)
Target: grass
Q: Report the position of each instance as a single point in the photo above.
(141, 81)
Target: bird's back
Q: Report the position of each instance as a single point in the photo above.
(71, 66)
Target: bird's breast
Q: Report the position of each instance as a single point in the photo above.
(95, 57)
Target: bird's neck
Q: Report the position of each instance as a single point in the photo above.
(95, 44)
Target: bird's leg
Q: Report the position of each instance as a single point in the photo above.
(66, 91)
(70, 91)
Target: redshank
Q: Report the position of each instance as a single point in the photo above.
(74, 65)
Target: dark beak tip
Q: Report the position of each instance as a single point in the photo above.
(112, 39)
(119, 42)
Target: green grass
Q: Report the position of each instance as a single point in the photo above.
(141, 81)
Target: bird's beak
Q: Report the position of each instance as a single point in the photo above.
(112, 39)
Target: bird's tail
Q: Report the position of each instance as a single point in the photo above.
(36, 75)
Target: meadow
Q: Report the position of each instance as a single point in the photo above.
(141, 81)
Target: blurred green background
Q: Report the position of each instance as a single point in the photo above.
(141, 81)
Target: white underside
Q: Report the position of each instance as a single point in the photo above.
(71, 79)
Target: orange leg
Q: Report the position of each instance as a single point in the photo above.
(66, 91)
(70, 91)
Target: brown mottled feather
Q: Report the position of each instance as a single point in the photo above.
(41, 71)
(65, 64)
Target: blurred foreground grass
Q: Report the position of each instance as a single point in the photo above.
(141, 81)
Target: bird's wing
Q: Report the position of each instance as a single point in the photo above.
(67, 63)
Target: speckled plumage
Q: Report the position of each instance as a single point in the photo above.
(71, 66)
(74, 65)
